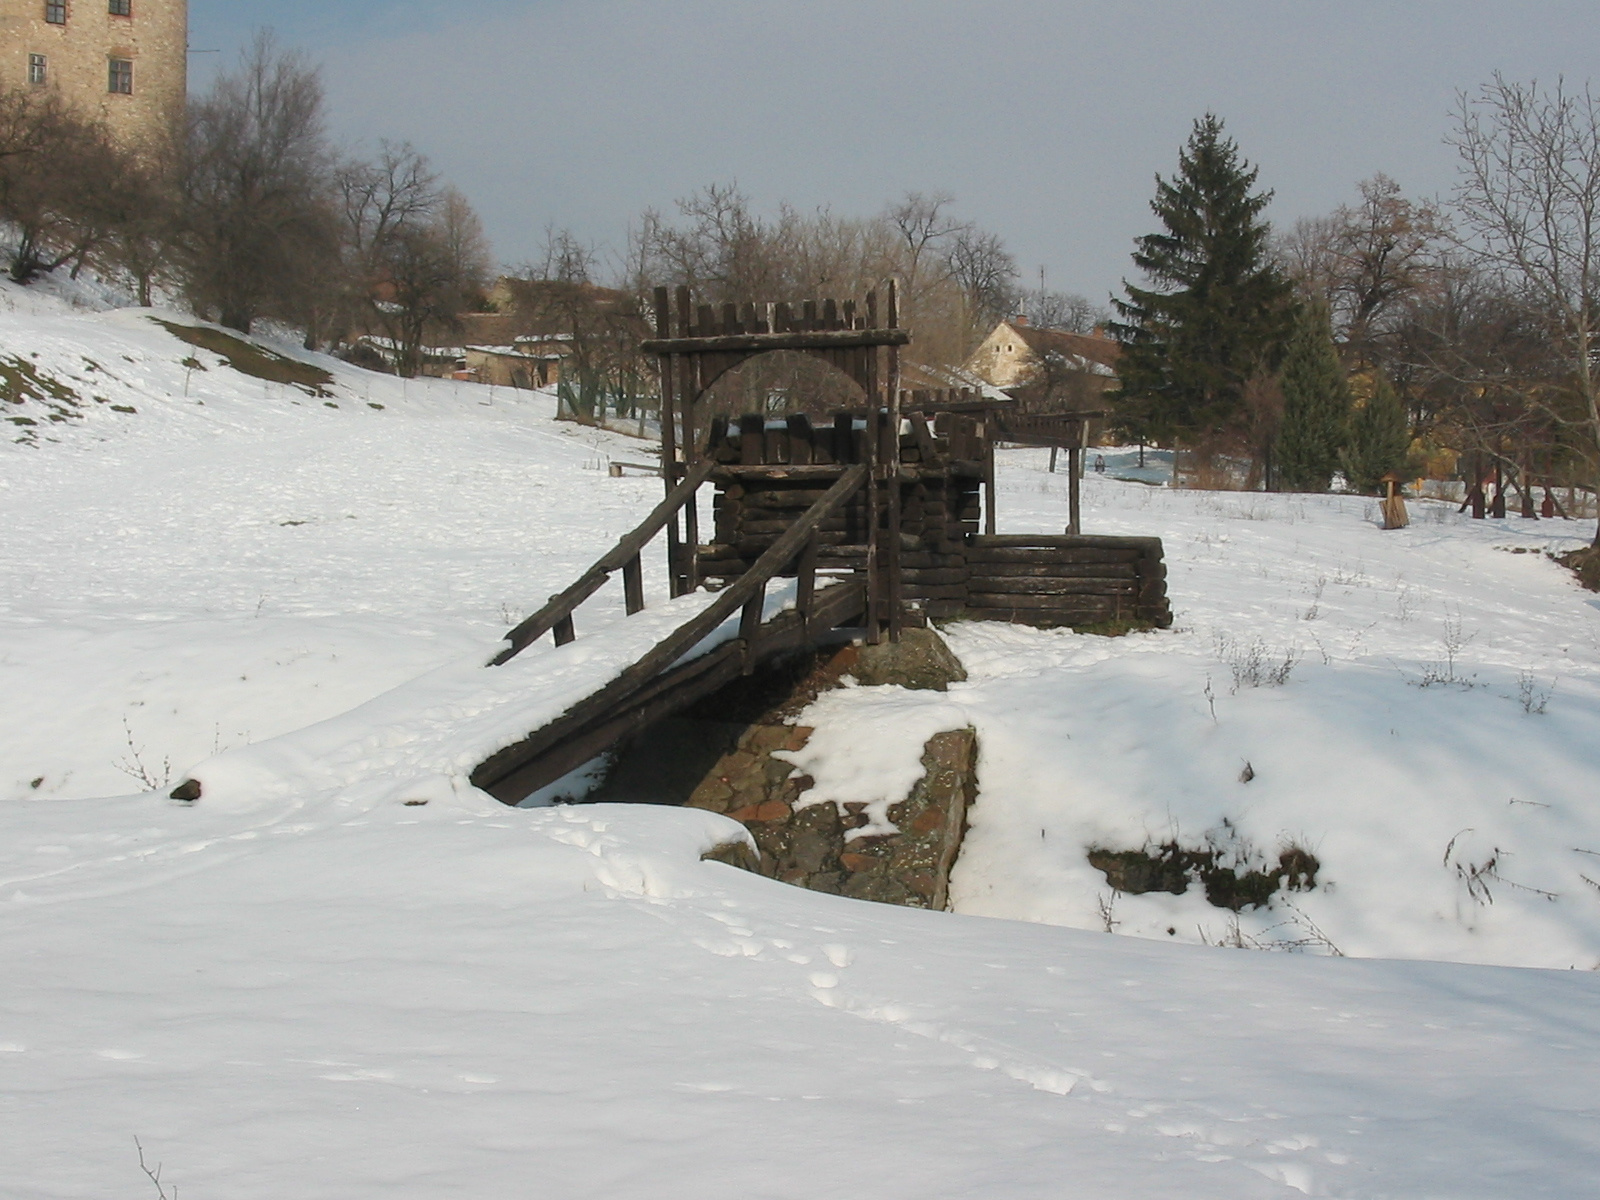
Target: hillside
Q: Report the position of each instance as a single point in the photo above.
(353, 976)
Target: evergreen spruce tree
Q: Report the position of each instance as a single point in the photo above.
(1316, 405)
(1380, 438)
(1217, 309)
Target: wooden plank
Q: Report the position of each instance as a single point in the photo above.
(978, 599)
(1146, 545)
(512, 774)
(806, 581)
(1045, 585)
(991, 515)
(1041, 618)
(757, 343)
(934, 576)
(750, 624)
(1074, 491)
(979, 554)
(752, 439)
(705, 675)
(633, 584)
(801, 440)
(935, 591)
(754, 472)
(1057, 570)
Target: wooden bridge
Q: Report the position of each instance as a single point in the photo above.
(883, 516)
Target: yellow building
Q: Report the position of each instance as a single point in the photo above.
(125, 62)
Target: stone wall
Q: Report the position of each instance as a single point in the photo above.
(720, 757)
(809, 847)
(154, 37)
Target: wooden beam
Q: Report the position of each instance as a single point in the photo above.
(755, 343)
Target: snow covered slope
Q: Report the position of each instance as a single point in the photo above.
(383, 984)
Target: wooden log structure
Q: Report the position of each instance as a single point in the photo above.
(947, 561)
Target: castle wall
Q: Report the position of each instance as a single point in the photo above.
(77, 57)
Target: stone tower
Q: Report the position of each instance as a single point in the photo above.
(123, 61)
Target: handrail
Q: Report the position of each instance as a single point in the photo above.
(683, 639)
(776, 557)
(561, 606)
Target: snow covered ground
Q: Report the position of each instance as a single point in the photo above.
(317, 986)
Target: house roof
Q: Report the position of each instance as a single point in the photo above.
(1093, 350)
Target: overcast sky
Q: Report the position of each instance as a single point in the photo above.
(1046, 121)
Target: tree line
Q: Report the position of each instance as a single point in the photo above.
(1393, 334)
(249, 213)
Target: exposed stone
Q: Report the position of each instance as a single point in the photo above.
(920, 660)
(735, 854)
(730, 766)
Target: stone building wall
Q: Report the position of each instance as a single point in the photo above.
(77, 55)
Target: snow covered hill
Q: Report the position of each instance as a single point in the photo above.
(375, 982)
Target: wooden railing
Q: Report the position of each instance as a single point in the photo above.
(624, 556)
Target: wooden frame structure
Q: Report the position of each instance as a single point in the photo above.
(696, 344)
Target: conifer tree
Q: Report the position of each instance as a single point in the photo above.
(1217, 309)
(1380, 438)
(1316, 405)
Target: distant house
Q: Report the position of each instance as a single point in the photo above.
(530, 361)
(383, 354)
(1047, 370)
(540, 328)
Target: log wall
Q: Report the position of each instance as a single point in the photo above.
(769, 471)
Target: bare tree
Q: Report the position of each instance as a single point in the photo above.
(980, 265)
(258, 212)
(1528, 203)
(416, 252)
(429, 272)
(1365, 263)
(1060, 310)
(68, 190)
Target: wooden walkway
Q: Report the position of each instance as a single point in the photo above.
(671, 675)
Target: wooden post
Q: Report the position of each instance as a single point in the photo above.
(750, 625)
(1074, 499)
(669, 449)
(986, 432)
(633, 585)
(806, 582)
(1054, 450)
(1498, 508)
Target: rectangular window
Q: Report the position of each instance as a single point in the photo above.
(122, 8)
(55, 11)
(121, 76)
(38, 68)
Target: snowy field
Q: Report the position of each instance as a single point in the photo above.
(306, 986)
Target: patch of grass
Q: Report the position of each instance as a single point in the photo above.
(22, 382)
(249, 359)
(1233, 876)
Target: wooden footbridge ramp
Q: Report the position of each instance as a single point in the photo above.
(671, 676)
